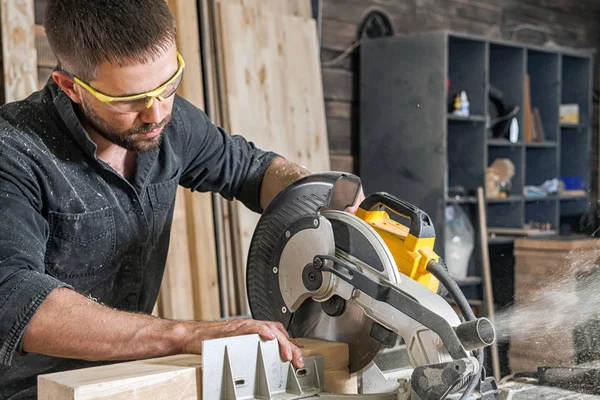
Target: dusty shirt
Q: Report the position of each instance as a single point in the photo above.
(68, 219)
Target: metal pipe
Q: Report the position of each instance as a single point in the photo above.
(476, 334)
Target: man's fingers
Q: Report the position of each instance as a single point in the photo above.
(266, 333)
(297, 358)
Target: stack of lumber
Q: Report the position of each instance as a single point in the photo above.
(190, 287)
(269, 89)
(174, 377)
(555, 316)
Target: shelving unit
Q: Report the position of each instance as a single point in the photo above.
(408, 132)
(414, 148)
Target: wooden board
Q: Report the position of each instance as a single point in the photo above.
(176, 298)
(190, 287)
(19, 56)
(173, 377)
(271, 62)
(298, 8)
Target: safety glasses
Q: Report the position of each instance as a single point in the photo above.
(136, 102)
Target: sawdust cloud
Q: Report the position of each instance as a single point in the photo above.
(561, 305)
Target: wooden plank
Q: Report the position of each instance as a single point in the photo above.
(342, 127)
(19, 56)
(194, 223)
(339, 85)
(298, 8)
(161, 378)
(176, 289)
(173, 377)
(205, 290)
(344, 163)
(287, 102)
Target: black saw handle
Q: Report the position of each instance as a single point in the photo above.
(420, 223)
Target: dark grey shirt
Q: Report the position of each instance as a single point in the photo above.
(68, 219)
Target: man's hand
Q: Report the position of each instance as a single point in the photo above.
(289, 348)
(109, 334)
(353, 208)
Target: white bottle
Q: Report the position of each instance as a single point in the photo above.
(464, 104)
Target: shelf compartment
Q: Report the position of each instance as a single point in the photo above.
(515, 155)
(576, 81)
(466, 71)
(507, 69)
(541, 164)
(543, 69)
(574, 155)
(466, 168)
(543, 211)
(505, 214)
(574, 206)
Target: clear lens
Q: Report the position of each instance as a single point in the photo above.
(140, 104)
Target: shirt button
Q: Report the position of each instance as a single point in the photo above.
(132, 298)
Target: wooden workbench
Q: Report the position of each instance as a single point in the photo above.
(550, 278)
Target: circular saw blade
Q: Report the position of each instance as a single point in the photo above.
(354, 240)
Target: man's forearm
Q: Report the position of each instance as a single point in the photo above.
(280, 174)
(70, 325)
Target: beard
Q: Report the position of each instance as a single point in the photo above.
(130, 139)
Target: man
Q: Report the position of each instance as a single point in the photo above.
(89, 167)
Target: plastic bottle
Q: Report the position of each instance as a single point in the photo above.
(464, 104)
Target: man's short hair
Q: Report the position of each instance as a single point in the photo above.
(85, 33)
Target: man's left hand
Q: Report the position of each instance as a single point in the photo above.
(361, 196)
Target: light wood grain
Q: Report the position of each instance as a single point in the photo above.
(19, 56)
(173, 377)
(272, 92)
(190, 287)
(176, 301)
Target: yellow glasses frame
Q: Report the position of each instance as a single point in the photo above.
(151, 95)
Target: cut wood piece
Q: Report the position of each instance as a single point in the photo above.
(176, 377)
(19, 56)
(173, 377)
(272, 62)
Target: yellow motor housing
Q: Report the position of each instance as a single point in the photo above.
(412, 254)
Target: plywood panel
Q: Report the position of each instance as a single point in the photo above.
(19, 57)
(273, 90)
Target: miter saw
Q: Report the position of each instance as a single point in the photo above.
(362, 279)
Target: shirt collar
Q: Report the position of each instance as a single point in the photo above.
(66, 110)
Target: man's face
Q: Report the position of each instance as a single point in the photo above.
(138, 131)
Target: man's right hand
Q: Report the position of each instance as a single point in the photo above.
(268, 330)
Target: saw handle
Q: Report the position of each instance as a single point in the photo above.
(420, 223)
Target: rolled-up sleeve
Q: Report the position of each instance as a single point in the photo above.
(23, 233)
(217, 161)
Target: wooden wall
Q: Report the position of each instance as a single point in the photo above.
(565, 22)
